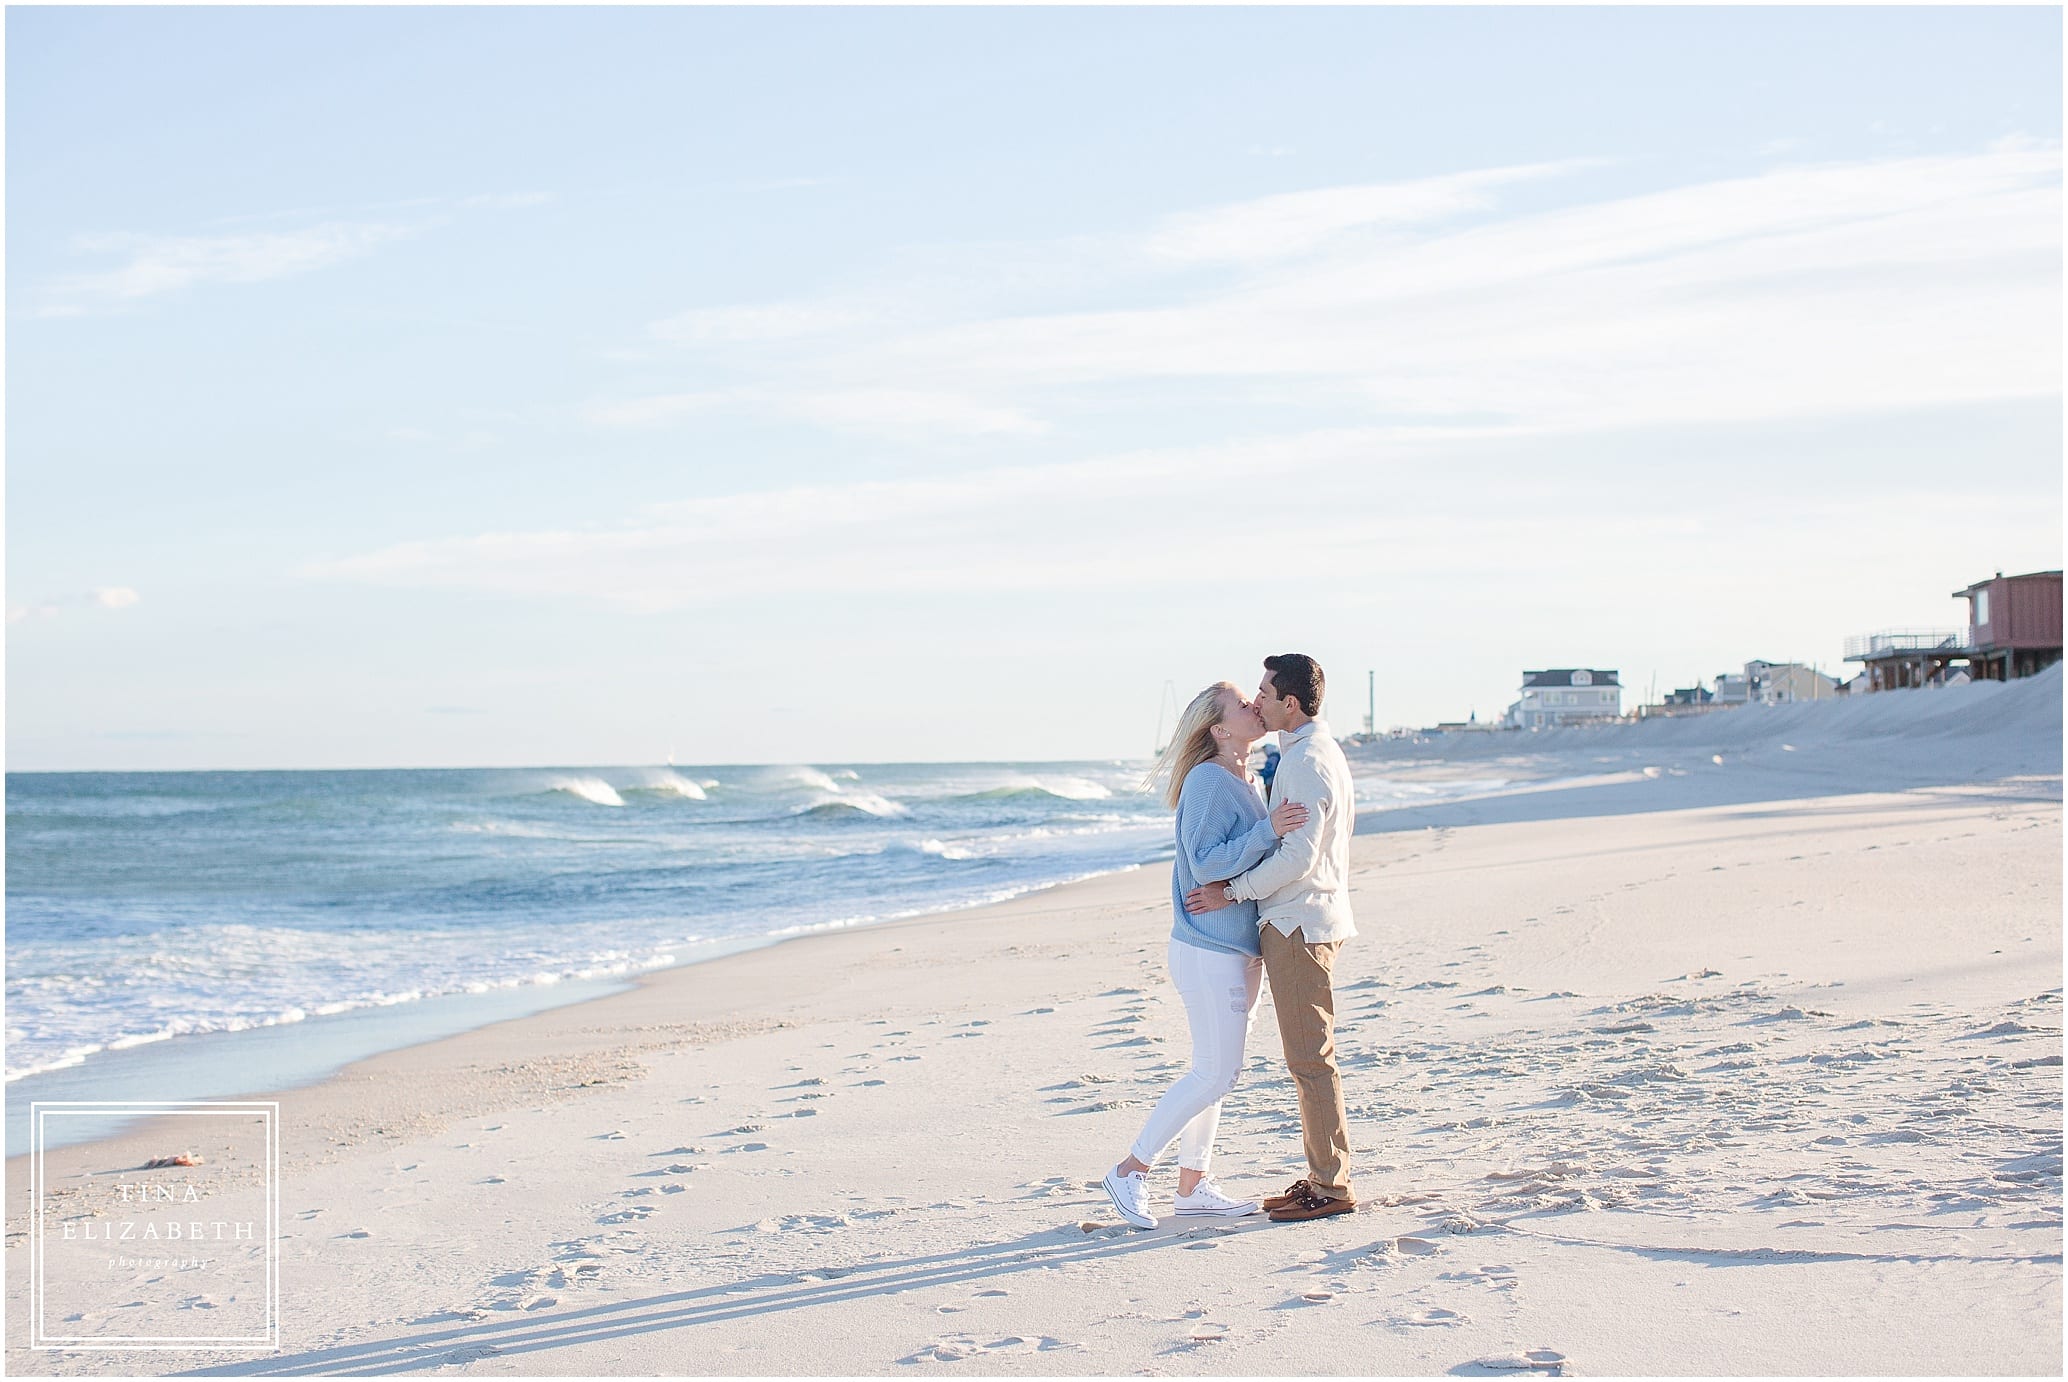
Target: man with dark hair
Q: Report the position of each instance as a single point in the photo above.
(1298, 676)
(1303, 918)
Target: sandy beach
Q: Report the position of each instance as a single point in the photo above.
(1764, 1086)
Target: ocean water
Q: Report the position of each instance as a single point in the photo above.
(149, 908)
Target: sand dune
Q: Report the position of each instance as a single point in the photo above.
(1982, 732)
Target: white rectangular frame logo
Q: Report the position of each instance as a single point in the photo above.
(39, 1110)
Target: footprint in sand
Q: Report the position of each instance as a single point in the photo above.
(460, 1357)
(1535, 1360)
(964, 1346)
(801, 1223)
(1498, 1277)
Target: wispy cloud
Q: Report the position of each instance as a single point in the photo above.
(107, 597)
(913, 412)
(153, 265)
(894, 412)
(1811, 289)
(1296, 223)
(506, 201)
(1417, 321)
(652, 409)
(775, 321)
(1008, 528)
(1353, 513)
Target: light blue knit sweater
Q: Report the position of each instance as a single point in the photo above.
(1223, 829)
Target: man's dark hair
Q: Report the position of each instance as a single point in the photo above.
(1297, 675)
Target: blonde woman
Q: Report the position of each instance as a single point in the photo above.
(1223, 829)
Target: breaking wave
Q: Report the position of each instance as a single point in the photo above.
(852, 804)
(662, 783)
(588, 789)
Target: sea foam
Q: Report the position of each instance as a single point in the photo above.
(589, 789)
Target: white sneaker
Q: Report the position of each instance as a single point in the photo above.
(1130, 1195)
(1206, 1200)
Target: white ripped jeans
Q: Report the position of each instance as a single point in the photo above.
(1220, 992)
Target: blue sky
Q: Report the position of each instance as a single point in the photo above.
(402, 386)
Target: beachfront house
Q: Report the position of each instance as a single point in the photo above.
(2014, 630)
(1782, 683)
(1761, 683)
(1897, 659)
(1567, 695)
(2014, 625)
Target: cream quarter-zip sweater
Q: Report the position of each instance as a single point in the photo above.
(1305, 885)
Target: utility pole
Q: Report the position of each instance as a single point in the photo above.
(1371, 703)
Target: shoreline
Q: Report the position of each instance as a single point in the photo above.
(646, 987)
(437, 1017)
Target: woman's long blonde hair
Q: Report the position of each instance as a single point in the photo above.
(1191, 744)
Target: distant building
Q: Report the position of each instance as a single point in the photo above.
(1780, 683)
(1566, 695)
(2013, 626)
(1761, 683)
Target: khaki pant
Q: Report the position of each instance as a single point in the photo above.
(1305, 997)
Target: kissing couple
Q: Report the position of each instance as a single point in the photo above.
(1260, 887)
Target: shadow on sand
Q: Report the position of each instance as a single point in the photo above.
(768, 1295)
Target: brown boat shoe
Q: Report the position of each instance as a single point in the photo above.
(1312, 1206)
(1292, 1193)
